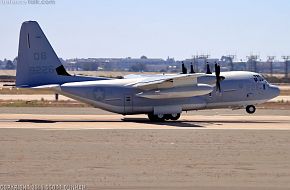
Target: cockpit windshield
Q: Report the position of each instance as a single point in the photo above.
(259, 78)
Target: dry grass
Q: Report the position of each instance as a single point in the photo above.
(23, 91)
(275, 105)
(36, 103)
(85, 73)
(285, 93)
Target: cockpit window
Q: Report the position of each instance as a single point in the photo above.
(259, 78)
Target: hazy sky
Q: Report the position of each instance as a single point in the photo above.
(155, 28)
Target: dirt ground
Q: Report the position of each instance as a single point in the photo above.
(204, 150)
(147, 159)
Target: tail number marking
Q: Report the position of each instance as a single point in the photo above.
(39, 56)
(41, 69)
(39, 61)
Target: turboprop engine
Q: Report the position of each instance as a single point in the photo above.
(178, 92)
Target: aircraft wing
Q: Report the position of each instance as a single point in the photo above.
(167, 81)
(134, 76)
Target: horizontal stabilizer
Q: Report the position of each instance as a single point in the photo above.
(50, 86)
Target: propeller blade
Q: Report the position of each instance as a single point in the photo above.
(218, 77)
(208, 69)
(191, 69)
(217, 69)
(218, 86)
(184, 69)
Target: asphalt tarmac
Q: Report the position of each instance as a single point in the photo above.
(213, 149)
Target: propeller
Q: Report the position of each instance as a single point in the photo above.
(184, 69)
(191, 69)
(208, 69)
(218, 77)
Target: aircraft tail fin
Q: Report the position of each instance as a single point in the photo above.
(37, 62)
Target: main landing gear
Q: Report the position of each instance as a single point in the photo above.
(163, 117)
(251, 109)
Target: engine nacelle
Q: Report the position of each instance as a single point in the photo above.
(178, 92)
(207, 79)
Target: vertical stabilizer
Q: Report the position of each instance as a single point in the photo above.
(37, 63)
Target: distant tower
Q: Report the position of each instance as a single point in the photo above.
(270, 60)
(204, 57)
(286, 59)
(195, 62)
(252, 63)
(229, 59)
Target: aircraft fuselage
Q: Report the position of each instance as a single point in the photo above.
(239, 89)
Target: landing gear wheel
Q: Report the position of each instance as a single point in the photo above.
(251, 109)
(175, 117)
(159, 117)
(167, 117)
(152, 117)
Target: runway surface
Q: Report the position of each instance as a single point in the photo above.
(83, 122)
(90, 118)
(204, 150)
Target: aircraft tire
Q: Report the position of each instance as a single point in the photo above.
(251, 109)
(175, 117)
(167, 117)
(156, 118)
(151, 117)
(161, 117)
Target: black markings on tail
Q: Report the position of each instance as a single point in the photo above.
(61, 71)
(28, 41)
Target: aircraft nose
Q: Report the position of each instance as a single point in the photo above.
(275, 91)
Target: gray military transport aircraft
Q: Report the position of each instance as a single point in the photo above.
(162, 97)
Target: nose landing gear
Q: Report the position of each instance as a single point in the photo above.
(251, 109)
(163, 117)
